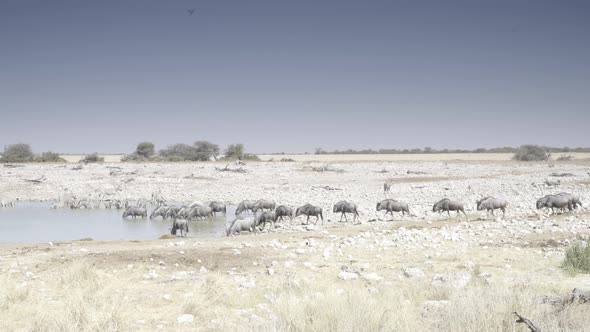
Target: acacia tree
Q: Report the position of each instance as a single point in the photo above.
(234, 151)
(145, 149)
(17, 153)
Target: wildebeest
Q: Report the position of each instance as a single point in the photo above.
(391, 205)
(245, 206)
(173, 211)
(345, 207)
(263, 204)
(574, 199)
(283, 211)
(217, 207)
(183, 212)
(386, 187)
(160, 211)
(142, 203)
(264, 217)
(448, 205)
(310, 211)
(200, 212)
(241, 225)
(135, 211)
(196, 203)
(181, 224)
(490, 203)
(559, 201)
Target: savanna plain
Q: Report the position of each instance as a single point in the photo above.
(420, 272)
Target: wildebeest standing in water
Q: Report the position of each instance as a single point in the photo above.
(345, 207)
(448, 205)
(160, 211)
(135, 211)
(217, 207)
(181, 224)
(264, 217)
(310, 211)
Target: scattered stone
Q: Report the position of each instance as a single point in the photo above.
(413, 273)
(347, 275)
(185, 318)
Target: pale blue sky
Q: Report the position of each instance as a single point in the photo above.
(278, 76)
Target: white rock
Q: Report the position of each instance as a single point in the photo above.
(413, 273)
(179, 243)
(167, 297)
(185, 318)
(347, 275)
(373, 277)
(203, 269)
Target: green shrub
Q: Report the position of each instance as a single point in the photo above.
(92, 158)
(250, 156)
(577, 258)
(531, 153)
(145, 149)
(49, 157)
(17, 153)
(234, 151)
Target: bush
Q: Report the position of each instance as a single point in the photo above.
(206, 150)
(531, 153)
(49, 157)
(565, 157)
(250, 156)
(145, 149)
(92, 158)
(17, 153)
(577, 258)
(234, 151)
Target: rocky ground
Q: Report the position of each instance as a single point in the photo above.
(421, 272)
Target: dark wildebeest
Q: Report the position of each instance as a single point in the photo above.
(490, 203)
(283, 211)
(200, 212)
(448, 205)
(574, 199)
(386, 186)
(181, 224)
(160, 211)
(310, 211)
(263, 204)
(345, 207)
(264, 217)
(391, 205)
(217, 207)
(245, 206)
(135, 211)
(559, 201)
(241, 225)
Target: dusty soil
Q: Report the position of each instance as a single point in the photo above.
(420, 272)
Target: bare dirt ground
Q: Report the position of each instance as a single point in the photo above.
(424, 272)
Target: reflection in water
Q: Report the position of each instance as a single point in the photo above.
(35, 222)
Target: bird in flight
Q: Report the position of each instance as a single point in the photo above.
(191, 11)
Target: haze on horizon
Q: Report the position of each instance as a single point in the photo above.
(79, 76)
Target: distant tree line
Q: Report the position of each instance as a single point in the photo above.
(198, 151)
(432, 150)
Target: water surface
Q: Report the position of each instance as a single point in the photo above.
(33, 222)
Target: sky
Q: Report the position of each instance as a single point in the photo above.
(291, 76)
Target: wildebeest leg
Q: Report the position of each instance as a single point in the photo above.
(503, 212)
(307, 222)
(449, 213)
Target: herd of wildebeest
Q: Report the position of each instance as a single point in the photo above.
(265, 211)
